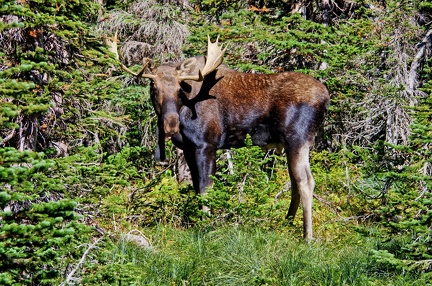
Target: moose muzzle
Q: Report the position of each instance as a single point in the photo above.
(171, 124)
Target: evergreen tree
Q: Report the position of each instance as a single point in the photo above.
(409, 241)
(54, 99)
(53, 78)
(409, 206)
(39, 235)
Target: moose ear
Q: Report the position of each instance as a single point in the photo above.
(188, 66)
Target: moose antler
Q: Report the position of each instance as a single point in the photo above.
(214, 60)
(111, 42)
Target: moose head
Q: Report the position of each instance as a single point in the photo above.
(167, 79)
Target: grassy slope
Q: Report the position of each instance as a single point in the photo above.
(252, 256)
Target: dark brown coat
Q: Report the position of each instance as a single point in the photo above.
(283, 109)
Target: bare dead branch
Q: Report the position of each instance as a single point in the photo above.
(70, 277)
(8, 137)
(412, 75)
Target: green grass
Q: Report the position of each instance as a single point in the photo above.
(236, 256)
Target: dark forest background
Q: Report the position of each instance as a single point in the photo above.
(77, 138)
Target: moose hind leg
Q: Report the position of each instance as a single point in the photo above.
(295, 202)
(303, 184)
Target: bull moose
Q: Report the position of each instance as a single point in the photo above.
(203, 105)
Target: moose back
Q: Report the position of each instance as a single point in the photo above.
(203, 105)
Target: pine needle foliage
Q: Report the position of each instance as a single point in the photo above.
(372, 57)
(409, 243)
(53, 78)
(248, 189)
(54, 100)
(38, 234)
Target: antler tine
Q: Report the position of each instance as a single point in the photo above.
(214, 56)
(146, 62)
(214, 60)
(217, 39)
(111, 42)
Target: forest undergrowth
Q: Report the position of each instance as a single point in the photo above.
(83, 202)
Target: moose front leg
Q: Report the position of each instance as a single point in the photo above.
(160, 148)
(205, 158)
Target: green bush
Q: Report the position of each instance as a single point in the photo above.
(39, 230)
(246, 185)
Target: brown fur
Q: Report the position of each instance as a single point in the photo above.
(203, 116)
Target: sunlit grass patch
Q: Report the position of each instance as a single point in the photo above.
(245, 256)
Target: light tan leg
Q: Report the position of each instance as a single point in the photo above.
(303, 185)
